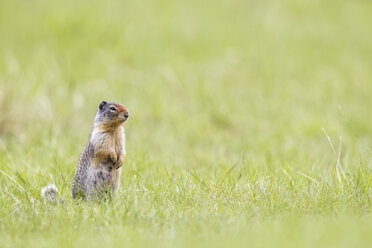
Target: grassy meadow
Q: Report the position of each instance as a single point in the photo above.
(251, 121)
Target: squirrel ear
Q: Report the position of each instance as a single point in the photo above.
(103, 103)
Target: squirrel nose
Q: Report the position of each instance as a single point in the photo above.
(126, 115)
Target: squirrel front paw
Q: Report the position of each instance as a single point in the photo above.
(119, 162)
(112, 159)
(117, 165)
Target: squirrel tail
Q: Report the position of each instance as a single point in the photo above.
(50, 194)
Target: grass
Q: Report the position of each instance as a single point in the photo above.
(232, 104)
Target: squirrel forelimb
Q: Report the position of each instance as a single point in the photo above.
(106, 157)
(120, 161)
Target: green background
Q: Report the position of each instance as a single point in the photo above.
(225, 145)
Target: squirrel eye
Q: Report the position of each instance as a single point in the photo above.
(113, 108)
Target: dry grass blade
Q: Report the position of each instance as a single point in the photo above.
(309, 177)
(226, 175)
(11, 178)
(338, 165)
(198, 179)
(338, 162)
(228, 172)
(287, 174)
(329, 141)
(342, 113)
(339, 170)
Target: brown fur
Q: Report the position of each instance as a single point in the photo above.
(98, 171)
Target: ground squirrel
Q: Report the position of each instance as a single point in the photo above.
(98, 172)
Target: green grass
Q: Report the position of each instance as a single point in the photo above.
(225, 145)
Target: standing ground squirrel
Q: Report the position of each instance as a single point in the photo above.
(98, 172)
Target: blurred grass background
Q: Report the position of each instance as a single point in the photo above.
(211, 85)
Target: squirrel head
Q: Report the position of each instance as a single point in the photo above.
(111, 114)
